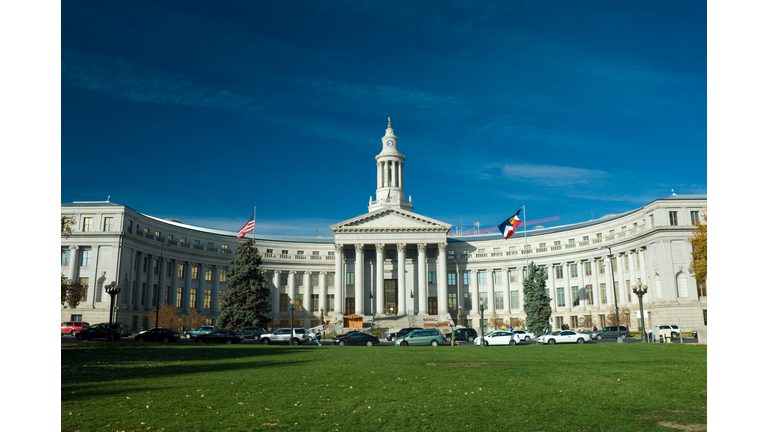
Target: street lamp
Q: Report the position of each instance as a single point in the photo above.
(640, 291)
(482, 326)
(292, 340)
(615, 294)
(112, 289)
(157, 294)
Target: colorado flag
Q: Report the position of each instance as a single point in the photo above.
(508, 227)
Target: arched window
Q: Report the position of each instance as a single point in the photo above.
(682, 285)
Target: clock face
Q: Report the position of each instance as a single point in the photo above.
(390, 143)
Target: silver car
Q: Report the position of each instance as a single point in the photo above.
(283, 335)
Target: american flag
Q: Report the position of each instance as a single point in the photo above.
(248, 227)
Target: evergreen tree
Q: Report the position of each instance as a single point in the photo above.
(537, 307)
(246, 302)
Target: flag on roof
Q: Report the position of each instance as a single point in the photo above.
(508, 227)
(248, 227)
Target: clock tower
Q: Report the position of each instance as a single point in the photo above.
(390, 189)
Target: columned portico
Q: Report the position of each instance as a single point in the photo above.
(401, 287)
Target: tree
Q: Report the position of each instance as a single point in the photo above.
(537, 307)
(246, 302)
(515, 323)
(192, 319)
(494, 322)
(66, 225)
(699, 254)
(167, 317)
(624, 314)
(71, 292)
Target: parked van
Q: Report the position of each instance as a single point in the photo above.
(610, 332)
(421, 337)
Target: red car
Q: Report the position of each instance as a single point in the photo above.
(73, 327)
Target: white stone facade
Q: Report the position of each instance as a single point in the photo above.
(391, 261)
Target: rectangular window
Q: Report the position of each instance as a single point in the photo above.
(283, 302)
(496, 277)
(169, 236)
(146, 230)
(179, 296)
(560, 296)
(183, 239)
(432, 277)
(451, 279)
(154, 295)
(513, 275)
(590, 298)
(452, 302)
(603, 298)
(574, 295)
(84, 283)
(482, 278)
(558, 272)
(466, 252)
(85, 257)
(87, 223)
(208, 275)
(167, 294)
(330, 302)
(194, 272)
(197, 242)
(315, 302)
(300, 301)
(283, 279)
(574, 270)
(181, 271)
(155, 266)
(602, 320)
(574, 322)
(704, 312)
(673, 218)
(558, 322)
(223, 275)
(108, 221)
(192, 298)
(331, 253)
(350, 278)
(601, 266)
(451, 254)
(467, 302)
(514, 299)
(130, 226)
(330, 279)
(587, 268)
(224, 247)
(481, 251)
(498, 300)
(210, 244)
(694, 217)
(557, 243)
(484, 298)
(572, 241)
(467, 277)
(65, 257)
(158, 234)
(207, 299)
(613, 264)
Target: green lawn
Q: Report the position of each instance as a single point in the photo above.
(128, 386)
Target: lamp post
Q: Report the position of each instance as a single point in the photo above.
(615, 294)
(640, 291)
(482, 325)
(112, 289)
(294, 303)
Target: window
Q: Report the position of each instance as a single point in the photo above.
(574, 295)
(283, 279)
(169, 236)
(183, 239)
(590, 298)
(207, 299)
(498, 300)
(432, 276)
(481, 251)
(558, 322)
(673, 218)
(197, 242)
(315, 302)
(451, 279)
(574, 322)
(587, 268)
(108, 221)
(601, 266)
(299, 252)
(350, 278)
(146, 230)
(585, 238)
(194, 272)
(300, 301)
(574, 270)
(349, 254)
(224, 247)
(561, 296)
(158, 233)
(154, 294)
(331, 253)
(329, 302)
(179, 296)
(557, 243)
(637, 260)
(513, 275)
(300, 280)
(451, 254)
(705, 316)
(602, 320)
(542, 245)
(694, 217)
(283, 302)
(84, 283)
(572, 241)
(208, 275)
(181, 272)
(87, 223)
(65, 257)
(167, 294)
(85, 257)
(466, 252)
(484, 299)
(130, 226)
(603, 298)
(210, 244)
(431, 252)
(467, 302)
(330, 279)
(168, 269)
(315, 253)
(599, 236)
(314, 279)
(482, 278)
(613, 264)
(496, 277)
(610, 233)
(467, 278)
(192, 298)
(452, 301)
(155, 266)
(558, 272)
(514, 299)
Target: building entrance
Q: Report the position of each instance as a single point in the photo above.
(349, 308)
(390, 296)
(432, 305)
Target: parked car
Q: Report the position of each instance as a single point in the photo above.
(98, 331)
(609, 332)
(283, 335)
(499, 337)
(565, 336)
(252, 332)
(464, 333)
(73, 327)
(220, 336)
(670, 330)
(401, 333)
(162, 334)
(191, 334)
(420, 337)
(123, 329)
(525, 335)
(355, 338)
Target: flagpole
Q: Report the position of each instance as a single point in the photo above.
(254, 221)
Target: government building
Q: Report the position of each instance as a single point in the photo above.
(392, 265)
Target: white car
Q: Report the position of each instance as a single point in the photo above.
(524, 335)
(565, 336)
(499, 337)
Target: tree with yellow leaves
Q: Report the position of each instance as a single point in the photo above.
(699, 254)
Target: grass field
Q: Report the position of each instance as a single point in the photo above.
(185, 387)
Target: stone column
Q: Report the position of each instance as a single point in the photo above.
(584, 303)
(505, 284)
(379, 279)
(359, 280)
(442, 279)
(174, 283)
(475, 293)
(568, 294)
(643, 275)
(291, 287)
(187, 286)
(135, 296)
(161, 282)
(402, 177)
(339, 278)
(323, 292)
(422, 277)
(307, 292)
(401, 289)
(200, 288)
(215, 290)
(620, 279)
(275, 293)
(150, 281)
(74, 263)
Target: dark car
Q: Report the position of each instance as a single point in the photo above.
(124, 330)
(464, 334)
(189, 334)
(403, 332)
(610, 332)
(220, 336)
(98, 331)
(252, 332)
(355, 338)
(161, 334)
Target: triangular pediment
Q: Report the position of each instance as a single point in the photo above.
(390, 220)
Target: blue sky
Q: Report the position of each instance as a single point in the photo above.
(196, 110)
